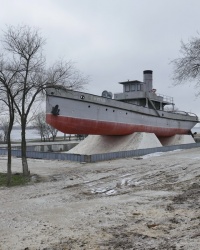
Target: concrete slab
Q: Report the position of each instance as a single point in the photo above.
(97, 144)
(56, 146)
(176, 140)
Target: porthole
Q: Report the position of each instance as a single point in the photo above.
(113, 110)
(89, 106)
(126, 113)
(82, 97)
(106, 109)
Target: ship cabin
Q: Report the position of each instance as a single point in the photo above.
(143, 93)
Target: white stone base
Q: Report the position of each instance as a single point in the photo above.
(97, 144)
(176, 140)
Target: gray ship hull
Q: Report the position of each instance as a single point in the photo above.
(83, 113)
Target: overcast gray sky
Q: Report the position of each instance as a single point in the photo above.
(114, 40)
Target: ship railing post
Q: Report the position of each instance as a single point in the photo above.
(161, 106)
(147, 104)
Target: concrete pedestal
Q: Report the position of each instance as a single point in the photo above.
(176, 140)
(97, 144)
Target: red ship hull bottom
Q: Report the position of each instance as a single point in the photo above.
(70, 125)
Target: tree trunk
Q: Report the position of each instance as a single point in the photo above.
(8, 140)
(25, 170)
(9, 172)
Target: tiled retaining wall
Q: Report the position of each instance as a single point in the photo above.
(98, 157)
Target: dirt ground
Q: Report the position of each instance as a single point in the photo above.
(150, 202)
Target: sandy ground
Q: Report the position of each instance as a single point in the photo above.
(151, 202)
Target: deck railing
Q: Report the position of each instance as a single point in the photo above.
(166, 98)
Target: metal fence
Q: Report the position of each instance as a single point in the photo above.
(139, 152)
(98, 157)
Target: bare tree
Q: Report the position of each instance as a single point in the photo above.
(7, 97)
(187, 66)
(45, 130)
(40, 124)
(4, 125)
(24, 46)
(52, 132)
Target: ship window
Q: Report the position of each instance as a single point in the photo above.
(127, 87)
(133, 87)
(106, 109)
(113, 110)
(138, 87)
(89, 106)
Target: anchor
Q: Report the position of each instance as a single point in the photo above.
(55, 110)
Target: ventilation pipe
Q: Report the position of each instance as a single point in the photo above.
(148, 79)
